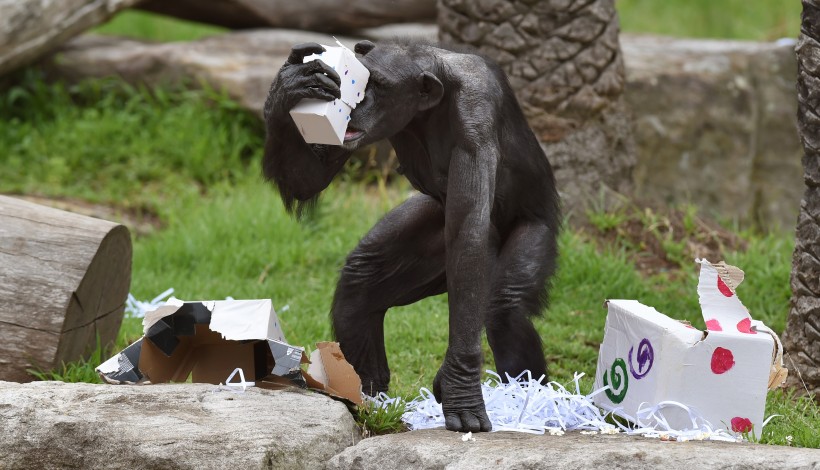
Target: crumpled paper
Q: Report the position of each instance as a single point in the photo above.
(524, 404)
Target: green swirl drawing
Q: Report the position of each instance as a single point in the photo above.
(618, 372)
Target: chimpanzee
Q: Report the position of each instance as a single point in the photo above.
(482, 229)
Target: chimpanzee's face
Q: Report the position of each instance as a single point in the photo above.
(391, 98)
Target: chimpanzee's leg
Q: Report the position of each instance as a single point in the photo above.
(400, 261)
(526, 261)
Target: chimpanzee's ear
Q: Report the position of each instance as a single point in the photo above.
(363, 47)
(430, 91)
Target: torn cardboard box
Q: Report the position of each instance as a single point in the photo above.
(649, 360)
(325, 122)
(208, 341)
(330, 373)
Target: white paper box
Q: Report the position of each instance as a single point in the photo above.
(323, 122)
(722, 374)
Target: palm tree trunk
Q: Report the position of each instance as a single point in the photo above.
(802, 337)
(565, 64)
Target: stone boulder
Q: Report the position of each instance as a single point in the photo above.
(715, 123)
(330, 16)
(31, 28)
(242, 63)
(185, 426)
(193, 426)
(572, 451)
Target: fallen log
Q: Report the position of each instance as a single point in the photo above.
(64, 278)
(329, 16)
(31, 28)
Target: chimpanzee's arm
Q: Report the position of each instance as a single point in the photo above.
(470, 195)
(299, 170)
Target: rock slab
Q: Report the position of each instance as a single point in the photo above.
(715, 123)
(200, 426)
(572, 451)
(243, 64)
(177, 426)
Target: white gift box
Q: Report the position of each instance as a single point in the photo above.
(654, 364)
(325, 122)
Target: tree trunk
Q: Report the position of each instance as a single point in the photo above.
(64, 278)
(802, 337)
(331, 16)
(564, 62)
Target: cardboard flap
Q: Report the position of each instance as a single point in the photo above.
(721, 307)
(723, 311)
(171, 305)
(245, 320)
(123, 367)
(287, 359)
(329, 371)
(215, 362)
(165, 332)
(160, 368)
(778, 373)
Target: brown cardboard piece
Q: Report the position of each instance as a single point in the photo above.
(181, 340)
(331, 373)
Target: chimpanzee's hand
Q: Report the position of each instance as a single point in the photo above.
(460, 396)
(297, 80)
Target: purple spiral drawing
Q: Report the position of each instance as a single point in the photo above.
(645, 357)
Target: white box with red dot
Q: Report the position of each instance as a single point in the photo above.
(325, 122)
(653, 363)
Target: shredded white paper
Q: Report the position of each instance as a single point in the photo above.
(524, 404)
(138, 308)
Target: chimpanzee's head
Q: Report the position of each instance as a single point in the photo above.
(397, 90)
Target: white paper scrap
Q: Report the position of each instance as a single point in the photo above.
(241, 384)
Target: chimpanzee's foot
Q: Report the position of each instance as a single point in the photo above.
(463, 404)
(373, 387)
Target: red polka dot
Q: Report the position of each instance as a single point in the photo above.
(745, 326)
(713, 325)
(741, 424)
(723, 288)
(722, 360)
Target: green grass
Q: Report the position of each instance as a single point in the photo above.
(762, 20)
(797, 424)
(149, 26)
(108, 142)
(376, 419)
(77, 371)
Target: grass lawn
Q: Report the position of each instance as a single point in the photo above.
(761, 20)
(187, 161)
